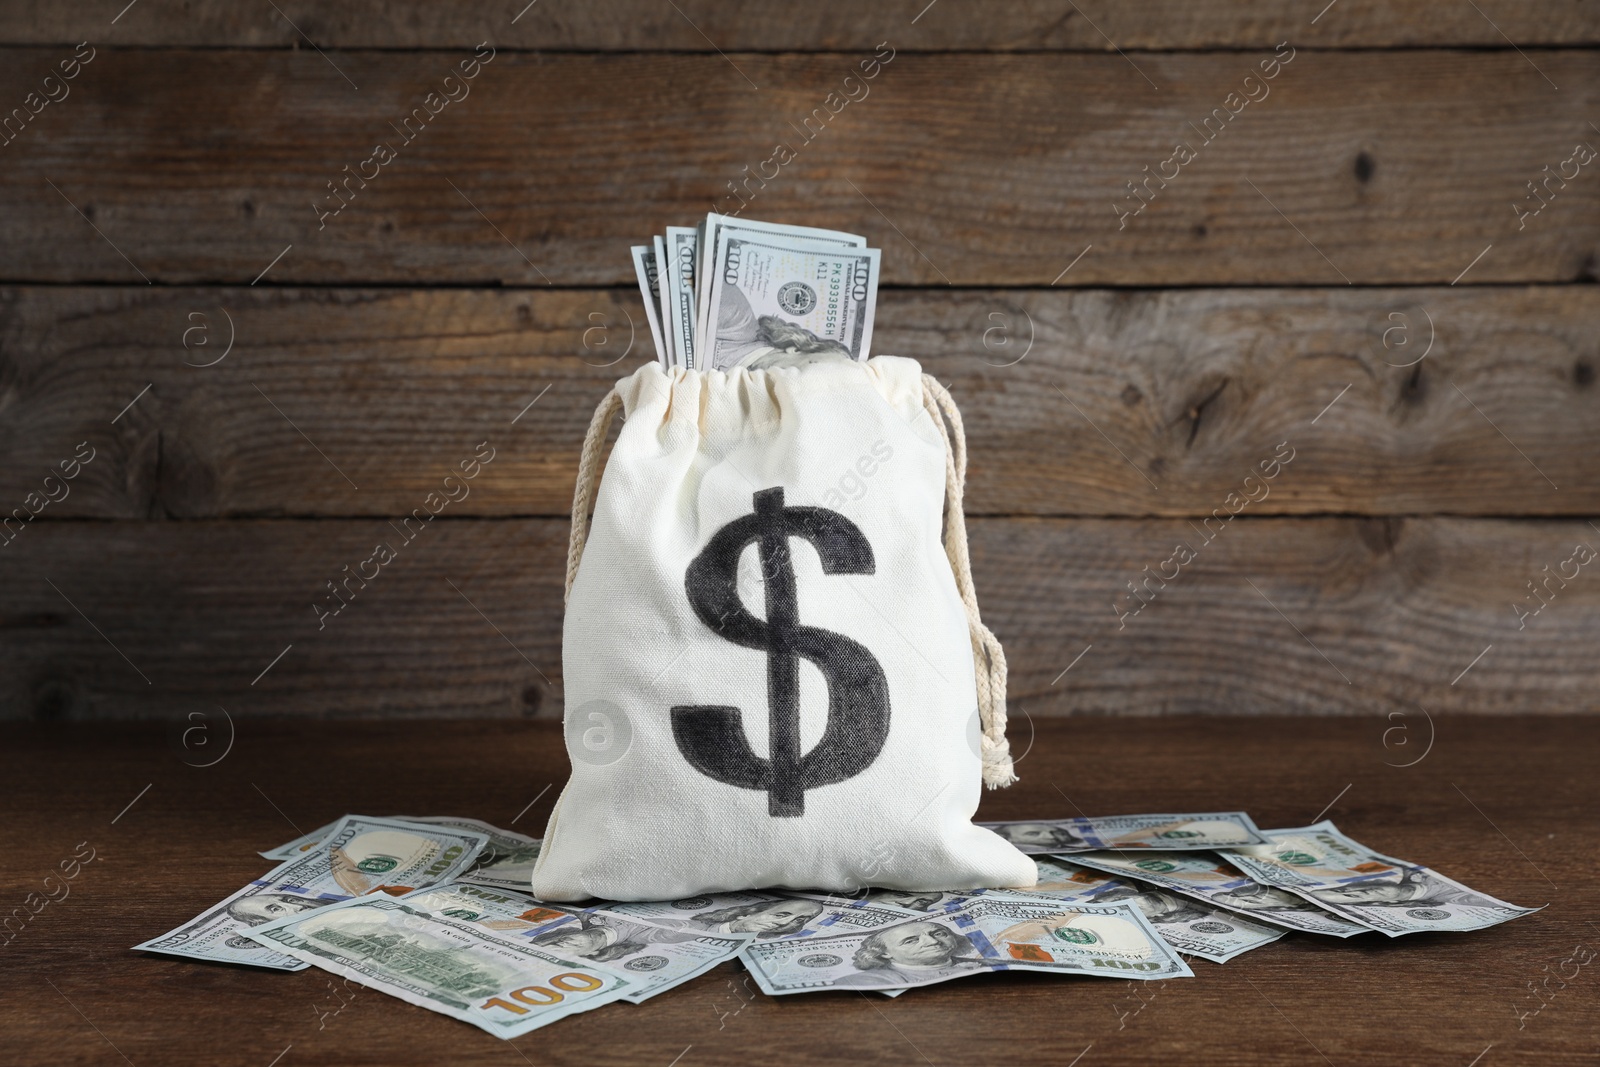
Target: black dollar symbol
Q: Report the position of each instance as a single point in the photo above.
(711, 737)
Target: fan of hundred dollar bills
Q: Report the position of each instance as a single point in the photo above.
(734, 292)
(432, 911)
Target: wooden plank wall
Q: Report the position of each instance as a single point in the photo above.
(1379, 261)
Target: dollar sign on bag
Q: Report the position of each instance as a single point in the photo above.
(712, 737)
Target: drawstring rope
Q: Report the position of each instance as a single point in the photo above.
(583, 494)
(988, 658)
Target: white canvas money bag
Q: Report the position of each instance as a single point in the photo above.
(774, 666)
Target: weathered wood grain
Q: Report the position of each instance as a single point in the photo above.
(1391, 167)
(191, 840)
(1313, 616)
(1076, 402)
(822, 25)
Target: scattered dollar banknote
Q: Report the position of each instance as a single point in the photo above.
(433, 909)
(1345, 877)
(1311, 856)
(900, 900)
(987, 934)
(303, 843)
(1187, 925)
(1419, 900)
(869, 909)
(763, 916)
(360, 855)
(649, 275)
(1191, 926)
(505, 985)
(1206, 830)
(654, 958)
(1108, 940)
(1058, 880)
(506, 860)
(1206, 877)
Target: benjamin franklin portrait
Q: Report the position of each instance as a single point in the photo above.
(589, 939)
(1416, 888)
(909, 952)
(766, 918)
(765, 342)
(265, 907)
(911, 901)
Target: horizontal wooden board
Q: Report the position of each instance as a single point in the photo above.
(191, 836)
(1306, 616)
(1093, 25)
(1076, 402)
(1387, 167)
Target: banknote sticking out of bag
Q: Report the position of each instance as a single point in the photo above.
(734, 292)
(776, 674)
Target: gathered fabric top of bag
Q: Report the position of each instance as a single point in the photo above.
(708, 410)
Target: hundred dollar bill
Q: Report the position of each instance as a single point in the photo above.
(505, 985)
(681, 281)
(506, 860)
(1419, 900)
(1108, 940)
(1345, 877)
(1207, 830)
(654, 958)
(1313, 856)
(905, 902)
(1200, 931)
(702, 269)
(871, 909)
(705, 243)
(360, 855)
(301, 844)
(711, 231)
(663, 279)
(777, 301)
(763, 916)
(1111, 940)
(1205, 877)
(644, 267)
(1191, 926)
(1188, 926)
(1058, 879)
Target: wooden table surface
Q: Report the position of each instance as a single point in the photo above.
(1506, 805)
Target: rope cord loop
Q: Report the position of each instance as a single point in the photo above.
(594, 442)
(989, 658)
